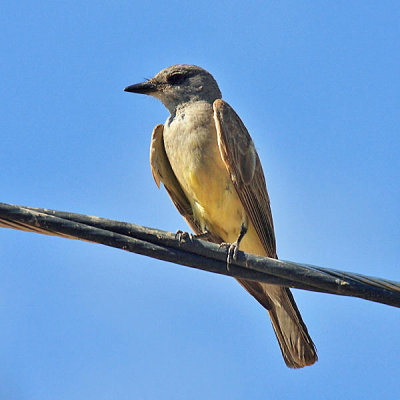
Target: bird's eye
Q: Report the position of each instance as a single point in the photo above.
(176, 79)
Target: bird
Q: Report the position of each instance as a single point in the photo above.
(207, 162)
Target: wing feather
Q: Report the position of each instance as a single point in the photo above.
(241, 160)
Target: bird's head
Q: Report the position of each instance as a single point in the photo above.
(179, 84)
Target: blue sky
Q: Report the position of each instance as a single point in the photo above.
(317, 84)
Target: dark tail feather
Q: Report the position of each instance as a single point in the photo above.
(297, 347)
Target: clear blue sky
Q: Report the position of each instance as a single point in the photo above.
(317, 85)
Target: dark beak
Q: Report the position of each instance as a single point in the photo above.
(143, 88)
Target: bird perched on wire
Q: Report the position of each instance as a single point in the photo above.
(209, 166)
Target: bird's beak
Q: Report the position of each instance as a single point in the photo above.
(147, 87)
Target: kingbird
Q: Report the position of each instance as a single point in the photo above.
(210, 168)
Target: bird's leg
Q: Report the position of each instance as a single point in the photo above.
(234, 247)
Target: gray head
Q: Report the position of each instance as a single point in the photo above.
(179, 84)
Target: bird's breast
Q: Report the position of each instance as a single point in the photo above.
(190, 141)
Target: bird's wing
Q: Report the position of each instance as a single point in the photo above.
(244, 166)
(242, 162)
(162, 172)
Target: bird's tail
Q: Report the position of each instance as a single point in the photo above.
(297, 347)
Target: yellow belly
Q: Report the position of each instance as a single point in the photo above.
(215, 202)
(220, 211)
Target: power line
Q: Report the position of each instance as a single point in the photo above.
(197, 253)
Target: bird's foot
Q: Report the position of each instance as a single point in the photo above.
(233, 249)
(183, 236)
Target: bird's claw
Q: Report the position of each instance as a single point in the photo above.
(231, 253)
(183, 236)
